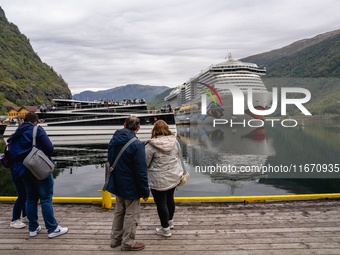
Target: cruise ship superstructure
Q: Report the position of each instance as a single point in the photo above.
(186, 99)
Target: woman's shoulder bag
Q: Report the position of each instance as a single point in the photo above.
(185, 176)
(37, 162)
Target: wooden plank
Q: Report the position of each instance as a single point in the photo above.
(211, 222)
(117, 251)
(145, 252)
(201, 213)
(279, 227)
(172, 247)
(200, 221)
(202, 217)
(169, 241)
(196, 230)
(197, 236)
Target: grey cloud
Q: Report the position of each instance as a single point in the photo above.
(102, 44)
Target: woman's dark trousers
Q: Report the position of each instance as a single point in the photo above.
(165, 205)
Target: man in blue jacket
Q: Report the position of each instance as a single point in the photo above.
(21, 145)
(129, 182)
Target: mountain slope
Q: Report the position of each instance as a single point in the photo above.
(130, 91)
(264, 59)
(158, 102)
(24, 78)
(316, 61)
(316, 68)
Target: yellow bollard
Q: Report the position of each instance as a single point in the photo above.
(106, 199)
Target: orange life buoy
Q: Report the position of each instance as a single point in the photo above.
(41, 121)
(155, 118)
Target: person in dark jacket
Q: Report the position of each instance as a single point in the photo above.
(129, 182)
(19, 205)
(21, 145)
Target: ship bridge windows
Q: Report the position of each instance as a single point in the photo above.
(239, 75)
(238, 66)
(246, 70)
(232, 78)
(240, 83)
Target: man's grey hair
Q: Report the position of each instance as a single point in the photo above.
(132, 123)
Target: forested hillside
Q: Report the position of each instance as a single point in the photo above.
(24, 78)
(265, 58)
(158, 102)
(315, 67)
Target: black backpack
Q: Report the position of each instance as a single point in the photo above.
(6, 158)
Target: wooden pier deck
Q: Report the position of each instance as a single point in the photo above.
(295, 227)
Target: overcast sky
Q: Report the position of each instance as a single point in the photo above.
(101, 44)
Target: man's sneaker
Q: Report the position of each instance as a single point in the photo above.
(58, 232)
(163, 232)
(34, 233)
(171, 224)
(24, 219)
(17, 224)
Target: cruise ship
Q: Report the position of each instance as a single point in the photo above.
(186, 99)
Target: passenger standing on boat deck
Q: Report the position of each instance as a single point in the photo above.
(164, 173)
(21, 145)
(129, 182)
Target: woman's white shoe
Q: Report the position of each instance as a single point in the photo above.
(163, 232)
(17, 224)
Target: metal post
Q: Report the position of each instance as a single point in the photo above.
(106, 199)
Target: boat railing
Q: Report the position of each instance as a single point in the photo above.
(110, 111)
(63, 108)
(77, 118)
(103, 115)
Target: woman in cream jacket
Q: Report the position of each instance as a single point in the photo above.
(164, 173)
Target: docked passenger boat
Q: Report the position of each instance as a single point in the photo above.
(186, 99)
(94, 122)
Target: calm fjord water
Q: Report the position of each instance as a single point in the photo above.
(80, 167)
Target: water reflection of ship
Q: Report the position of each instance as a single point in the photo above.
(240, 147)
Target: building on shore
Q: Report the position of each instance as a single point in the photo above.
(20, 112)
